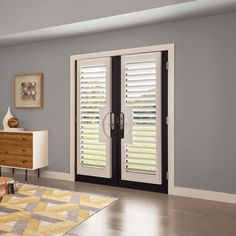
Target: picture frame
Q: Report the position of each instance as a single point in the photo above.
(28, 90)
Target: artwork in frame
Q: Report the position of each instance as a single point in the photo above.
(28, 90)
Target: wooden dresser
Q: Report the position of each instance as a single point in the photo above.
(24, 149)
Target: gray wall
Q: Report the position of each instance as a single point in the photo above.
(205, 112)
(25, 15)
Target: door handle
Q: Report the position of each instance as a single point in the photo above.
(122, 121)
(112, 121)
(122, 124)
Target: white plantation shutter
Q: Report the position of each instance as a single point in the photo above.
(141, 105)
(93, 108)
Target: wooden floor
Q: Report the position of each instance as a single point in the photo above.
(139, 213)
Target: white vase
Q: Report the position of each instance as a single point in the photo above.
(6, 119)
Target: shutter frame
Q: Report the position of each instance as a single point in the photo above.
(93, 95)
(134, 167)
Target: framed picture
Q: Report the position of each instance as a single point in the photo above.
(28, 90)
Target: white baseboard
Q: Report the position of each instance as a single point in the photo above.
(57, 175)
(44, 174)
(203, 194)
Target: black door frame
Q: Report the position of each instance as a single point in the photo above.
(116, 134)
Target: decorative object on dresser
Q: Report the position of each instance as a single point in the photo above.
(6, 119)
(26, 150)
(13, 122)
(28, 90)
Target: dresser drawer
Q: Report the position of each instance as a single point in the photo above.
(16, 150)
(16, 139)
(16, 161)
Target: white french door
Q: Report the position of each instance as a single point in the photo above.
(121, 115)
(141, 153)
(93, 117)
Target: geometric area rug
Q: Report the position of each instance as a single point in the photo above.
(41, 211)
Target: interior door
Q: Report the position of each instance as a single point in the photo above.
(141, 107)
(93, 117)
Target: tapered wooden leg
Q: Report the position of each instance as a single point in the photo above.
(26, 175)
(13, 171)
(38, 173)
